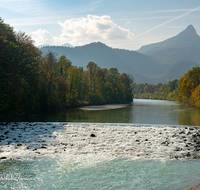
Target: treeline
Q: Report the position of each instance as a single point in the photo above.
(31, 82)
(186, 89)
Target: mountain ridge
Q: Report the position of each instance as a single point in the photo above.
(126, 61)
(145, 68)
(187, 36)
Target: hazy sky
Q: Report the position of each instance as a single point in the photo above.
(126, 24)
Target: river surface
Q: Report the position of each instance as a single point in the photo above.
(141, 111)
(96, 170)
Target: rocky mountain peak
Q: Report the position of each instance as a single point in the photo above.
(190, 30)
(188, 36)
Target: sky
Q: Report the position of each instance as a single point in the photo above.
(124, 24)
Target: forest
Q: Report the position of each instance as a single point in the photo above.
(33, 82)
(186, 89)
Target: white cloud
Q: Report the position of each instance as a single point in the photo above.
(78, 31)
(42, 37)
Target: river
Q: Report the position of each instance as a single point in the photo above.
(127, 149)
(141, 111)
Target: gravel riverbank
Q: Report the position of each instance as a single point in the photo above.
(27, 140)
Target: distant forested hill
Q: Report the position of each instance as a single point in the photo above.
(153, 63)
(132, 62)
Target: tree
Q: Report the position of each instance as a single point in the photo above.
(172, 85)
(62, 65)
(195, 97)
(187, 85)
(149, 88)
(127, 82)
(18, 70)
(31, 82)
(140, 88)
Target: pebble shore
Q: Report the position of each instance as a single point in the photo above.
(195, 188)
(27, 140)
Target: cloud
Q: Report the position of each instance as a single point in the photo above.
(42, 37)
(79, 31)
(93, 28)
(164, 23)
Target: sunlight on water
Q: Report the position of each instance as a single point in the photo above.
(57, 173)
(64, 155)
(142, 111)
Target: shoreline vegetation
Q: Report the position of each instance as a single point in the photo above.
(186, 89)
(31, 82)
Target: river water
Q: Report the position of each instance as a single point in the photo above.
(72, 170)
(141, 111)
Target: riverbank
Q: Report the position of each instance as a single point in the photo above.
(28, 140)
(103, 107)
(195, 188)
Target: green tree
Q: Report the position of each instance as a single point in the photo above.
(149, 88)
(62, 65)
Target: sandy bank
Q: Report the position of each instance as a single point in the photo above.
(103, 107)
(27, 140)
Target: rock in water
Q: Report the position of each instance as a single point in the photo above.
(92, 135)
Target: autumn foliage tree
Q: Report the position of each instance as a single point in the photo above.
(189, 87)
(32, 82)
(186, 89)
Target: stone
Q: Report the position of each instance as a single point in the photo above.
(177, 149)
(188, 154)
(198, 154)
(92, 135)
(43, 147)
(3, 157)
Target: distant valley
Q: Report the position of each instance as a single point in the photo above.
(153, 63)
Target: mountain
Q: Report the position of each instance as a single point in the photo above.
(176, 71)
(186, 52)
(67, 45)
(183, 47)
(131, 62)
(48, 45)
(153, 63)
(187, 36)
(43, 45)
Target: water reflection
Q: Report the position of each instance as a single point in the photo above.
(188, 115)
(141, 111)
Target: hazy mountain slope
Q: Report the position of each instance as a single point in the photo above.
(187, 36)
(163, 61)
(175, 54)
(179, 69)
(175, 72)
(131, 62)
(140, 62)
